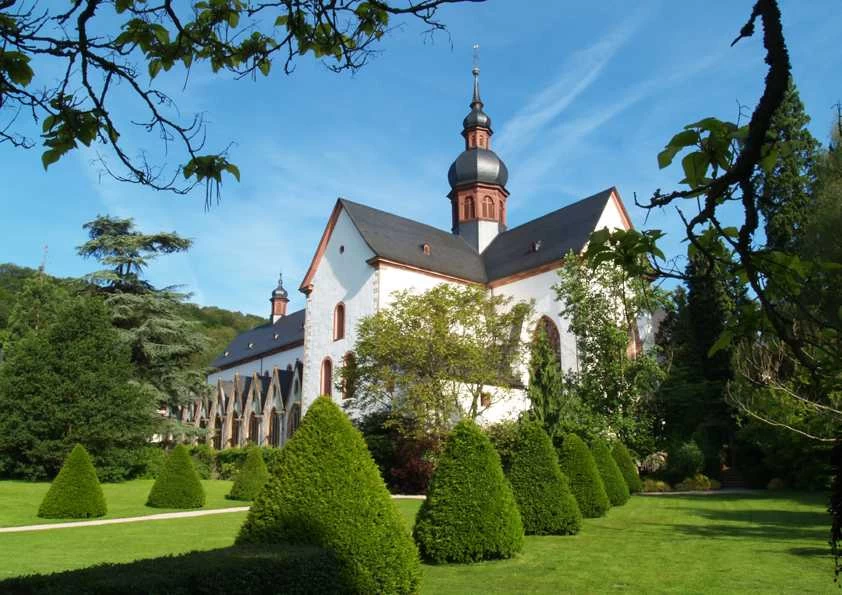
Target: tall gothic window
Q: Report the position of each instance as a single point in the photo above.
(294, 419)
(235, 430)
(327, 377)
(488, 208)
(274, 428)
(217, 433)
(548, 326)
(470, 213)
(254, 429)
(339, 322)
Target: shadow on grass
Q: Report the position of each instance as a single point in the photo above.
(752, 532)
(811, 552)
(783, 518)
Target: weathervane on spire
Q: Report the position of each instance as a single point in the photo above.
(475, 71)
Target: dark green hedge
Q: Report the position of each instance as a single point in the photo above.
(470, 512)
(178, 484)
(327, 492)
(242, 570)
(542, 491)
(627, 467)
(578, 465)
(612, 477)
(75, 492)
(252, 477)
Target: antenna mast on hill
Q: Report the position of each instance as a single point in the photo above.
(43, 266)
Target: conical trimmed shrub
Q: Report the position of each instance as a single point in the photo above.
(542, 492)
(178, 484)
(327, 491)
(252, 477)
(627, 467)
(75, 492)
(578, 465)
(612, 477)
(470, 513)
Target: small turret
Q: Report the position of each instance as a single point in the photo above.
(279, 300)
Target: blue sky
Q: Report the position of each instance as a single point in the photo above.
(582, 97)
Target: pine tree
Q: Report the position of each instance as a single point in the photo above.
(786, 191)
(470, 513)
(75, 492)
(545, 382)
(326, 491)
(151, 320)
(542, 492)
(67, 383)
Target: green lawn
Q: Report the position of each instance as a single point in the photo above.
(682, 544)
(19, 500)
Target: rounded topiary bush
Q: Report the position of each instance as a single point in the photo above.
(578, 465)
(542, 492)
(178, 484)
(627, 467)
(327, 491)
(612, 477)
(252, 477)
(470, 513)
(75, 492)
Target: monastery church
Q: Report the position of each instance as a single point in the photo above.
(268, 376)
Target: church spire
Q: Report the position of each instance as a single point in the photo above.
(478, 177)
(279, 300)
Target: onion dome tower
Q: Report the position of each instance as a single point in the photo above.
(478, 180)
(279, 300)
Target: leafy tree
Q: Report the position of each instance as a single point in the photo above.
(432, 358)
(542, 492)
(150, 320)
(617, 375)
(326, 491)
(577, 463)
(785, 196)
(612, 477)
(75, 492)
(67, 383)
(108, 48)
(470, 513)
(627, 467)
(178, 484)
(251, 478)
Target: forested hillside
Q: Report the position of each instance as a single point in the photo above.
(218, 325)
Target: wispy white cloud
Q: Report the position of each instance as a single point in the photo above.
(579, 71)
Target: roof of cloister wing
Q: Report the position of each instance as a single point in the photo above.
(286, 332)
(528, 247)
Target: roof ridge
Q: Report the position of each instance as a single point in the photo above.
(567, 206)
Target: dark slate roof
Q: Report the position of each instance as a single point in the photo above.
(402, 240)
(264, 338)
(558, 232)
(477, 165)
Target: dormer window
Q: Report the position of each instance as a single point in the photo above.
(536, 245)
(426, 249)
(251, 345)
(275, 336)
(226, 354)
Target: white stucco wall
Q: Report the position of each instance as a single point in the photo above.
(394, 279)
(343, 277)
(276, 360)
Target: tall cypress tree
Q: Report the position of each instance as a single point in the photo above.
(545, 383)
(785, 191)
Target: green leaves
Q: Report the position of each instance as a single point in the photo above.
(210, 167)
(68, 125)
(15, 67)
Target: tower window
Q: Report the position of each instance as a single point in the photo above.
(488, 208)
(469, 208)
(339, 322)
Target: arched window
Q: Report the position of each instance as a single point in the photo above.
(470, 213)
(339, 322)
(217, 433)
(274, 428)
(548, 327)
(349, 363)
(327, 377)
(488, 208)
(254, 429)
(235, 430)
(502, 211)
(294, 419)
